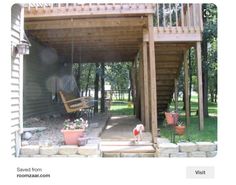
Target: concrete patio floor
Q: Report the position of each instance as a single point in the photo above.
(119, 128)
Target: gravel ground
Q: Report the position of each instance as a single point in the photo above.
(51, 135)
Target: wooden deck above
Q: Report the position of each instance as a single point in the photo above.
(109, 32)
(95, 33)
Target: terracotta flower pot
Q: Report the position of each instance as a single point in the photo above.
(179, 130)
(171, 117)
(81, 141)
(71, 136)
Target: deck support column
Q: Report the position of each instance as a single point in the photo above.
(152, 73)
(142, 109)
(186, 89)
(200, 90)
(146, 87)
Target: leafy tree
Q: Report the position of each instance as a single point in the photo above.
(209, 53)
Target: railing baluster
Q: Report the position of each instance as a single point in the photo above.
(200, 17)
(188, 17)
(194, 16)
(164, 15)
(170, 15)
(182, 15)
(28, 7)
(176, 15)
(157, 6)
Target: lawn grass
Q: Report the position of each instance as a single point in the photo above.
(193, 134)
(121, 108)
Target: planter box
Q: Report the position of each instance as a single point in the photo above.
(171, 117)
(71, 136)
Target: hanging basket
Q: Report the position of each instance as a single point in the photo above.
(180, 130)
(171, 118)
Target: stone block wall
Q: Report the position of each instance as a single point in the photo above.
(91, 150)
(190, 149)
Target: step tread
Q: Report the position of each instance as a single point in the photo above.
(126, 143)
(127, 149)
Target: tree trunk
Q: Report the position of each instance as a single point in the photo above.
(129, 94)
(190, 78)
(133, 75)
(216, 91)
(205, 92)
(78, 80)
(103, 87)
(183, 99)
(88, 77)
(96, 87)
(212, 95)
(204, 70)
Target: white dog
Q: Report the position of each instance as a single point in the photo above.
(137, 132)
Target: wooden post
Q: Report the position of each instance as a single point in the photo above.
(146, 87)
(176, 95)
(152, 73)
(200, 90)
(141, 88)
(186, 89)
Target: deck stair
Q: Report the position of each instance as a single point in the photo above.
(169, 58)
(127, 149)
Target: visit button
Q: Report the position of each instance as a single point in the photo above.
(196, 172)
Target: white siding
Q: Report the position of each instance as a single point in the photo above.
(16, 79)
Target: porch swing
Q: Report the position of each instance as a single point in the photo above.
(71, 103)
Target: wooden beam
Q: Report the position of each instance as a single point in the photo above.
(200, 90)
(85, 23)
(186, 88)
(172, 36)
(152, 73)
(86, 10)
(146, 86)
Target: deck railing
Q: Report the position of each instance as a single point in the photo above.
(178, 16)
(92, 7)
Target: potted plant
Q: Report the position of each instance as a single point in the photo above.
(171, 117)
(180, 128)
(73, 130)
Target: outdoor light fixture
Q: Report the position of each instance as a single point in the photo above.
(23, 47)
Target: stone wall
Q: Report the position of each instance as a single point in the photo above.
(190, 149)
(91, 150)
